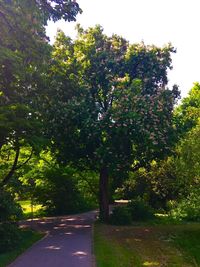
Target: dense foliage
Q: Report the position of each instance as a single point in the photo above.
(140, 210)
(24, 56)
(172, 184)
(120, 216)
(10, 212)
(60, 193)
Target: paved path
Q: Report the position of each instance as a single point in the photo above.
(68, 243)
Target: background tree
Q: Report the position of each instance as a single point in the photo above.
(156, 185)
(187, 117)
(175, 178)
(114, 111)
(187, 114)
(59, 189)
(186, 157)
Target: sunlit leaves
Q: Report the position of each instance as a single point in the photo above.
(187, 113)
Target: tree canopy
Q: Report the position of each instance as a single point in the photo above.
(24, 56)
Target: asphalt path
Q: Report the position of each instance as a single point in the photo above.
(68, 242)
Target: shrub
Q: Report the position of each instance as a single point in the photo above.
(10, 236)
(9, 209)
(158, 184)
(140, 210)
(188, 208)
(10, 212)
(120, 216)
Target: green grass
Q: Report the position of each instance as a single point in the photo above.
(189, 243)
(111, 254)
(28, 238)
(38, 210)
(153, 245)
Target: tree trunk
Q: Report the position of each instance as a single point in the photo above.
(103, 195)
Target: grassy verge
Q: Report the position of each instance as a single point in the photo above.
(138, 246)
(28, 238)
(189, 242)
(109, 252)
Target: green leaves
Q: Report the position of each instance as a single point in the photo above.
(149, 64)
(56, 10)
(24, 58)
(188, 112)
(115, 99)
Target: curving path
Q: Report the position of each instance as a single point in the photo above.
(68, 242)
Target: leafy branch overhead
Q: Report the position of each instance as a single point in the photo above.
(24, 59)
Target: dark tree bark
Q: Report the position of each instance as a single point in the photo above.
(13, 168)
(15, 165)
(104, 195)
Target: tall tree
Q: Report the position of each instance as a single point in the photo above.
(113, 112)
(24, 54)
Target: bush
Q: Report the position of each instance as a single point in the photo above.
(10, 236)
(157, 184)
(10, 212)
(140, 210)
(188, 208)
(9, 209)
(120, 216)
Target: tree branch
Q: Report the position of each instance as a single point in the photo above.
(12, 170)
(26, 161)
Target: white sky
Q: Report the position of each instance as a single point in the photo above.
(153, 21)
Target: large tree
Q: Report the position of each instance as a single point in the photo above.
(110, 109)
(24, 56)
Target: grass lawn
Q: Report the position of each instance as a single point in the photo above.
(137, 246)
(28, 238)
(189, 242)
(26, 207)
